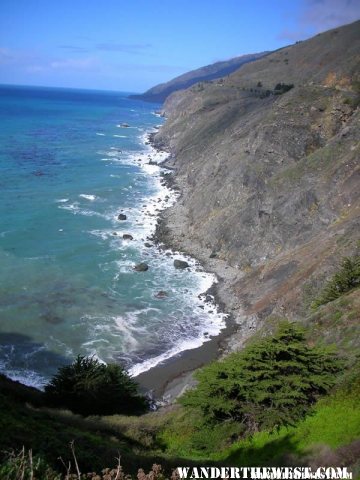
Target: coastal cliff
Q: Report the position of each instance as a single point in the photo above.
(267, 162)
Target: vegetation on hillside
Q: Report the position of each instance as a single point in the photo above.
(89, 387)
(256, 407)
(271, 383)
(347, 278)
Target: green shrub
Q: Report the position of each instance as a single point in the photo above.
(347, 278)
(89, 387)
(281, 88)
(271, 383)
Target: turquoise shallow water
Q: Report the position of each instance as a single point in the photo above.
(69, 166)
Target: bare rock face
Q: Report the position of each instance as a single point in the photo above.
(270, 181)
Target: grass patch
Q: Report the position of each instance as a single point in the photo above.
(335, 422)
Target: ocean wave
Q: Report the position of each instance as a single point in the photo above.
(28, 377)
(88, 197)
(75, 209)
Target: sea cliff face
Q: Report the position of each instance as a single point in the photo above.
(267, 161)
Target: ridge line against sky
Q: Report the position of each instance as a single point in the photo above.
(132, 46)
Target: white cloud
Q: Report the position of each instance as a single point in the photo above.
(5, 55)
(35, 69)
(319, 15)
(75, 64)
(325, 14)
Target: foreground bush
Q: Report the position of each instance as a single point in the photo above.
(89, 387)
(272, 383)
(23, 466)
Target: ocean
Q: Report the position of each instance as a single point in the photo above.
(71, 161)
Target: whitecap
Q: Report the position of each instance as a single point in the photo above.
(88, 197)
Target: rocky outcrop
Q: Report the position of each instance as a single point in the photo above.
(180, 264)
(141, 267)
(127, 236)
(270, 182)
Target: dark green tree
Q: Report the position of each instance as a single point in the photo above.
(89, 387)
(271, 383)
(281, 88)
(347, 278)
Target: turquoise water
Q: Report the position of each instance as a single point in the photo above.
(69, 166)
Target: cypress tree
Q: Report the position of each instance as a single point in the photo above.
(271, 383)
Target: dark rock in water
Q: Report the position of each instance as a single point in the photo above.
(148, 245)
(141, 267)
(115, 233)
(52, 319)
(125, 125)
(127, 236)
(180, 264)
(122, 216)
(161, 294)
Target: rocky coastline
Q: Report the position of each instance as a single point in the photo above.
(268, 196)
(170, 379)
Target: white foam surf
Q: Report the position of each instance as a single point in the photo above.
(88, 197)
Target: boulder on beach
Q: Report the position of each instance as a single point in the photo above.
(161, 294)
(141, 267)
(122, 216)
(180, 264)
(127, 236)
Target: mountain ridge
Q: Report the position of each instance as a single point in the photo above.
(160, 92)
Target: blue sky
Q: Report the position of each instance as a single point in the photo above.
(133, 45)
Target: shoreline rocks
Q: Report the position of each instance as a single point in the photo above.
(180, 264)
(141, 267)
(127, 236)
(161, 294)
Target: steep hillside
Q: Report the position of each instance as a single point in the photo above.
(269, 177)
(160, 92)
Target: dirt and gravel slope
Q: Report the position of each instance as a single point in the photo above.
(270, 181)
